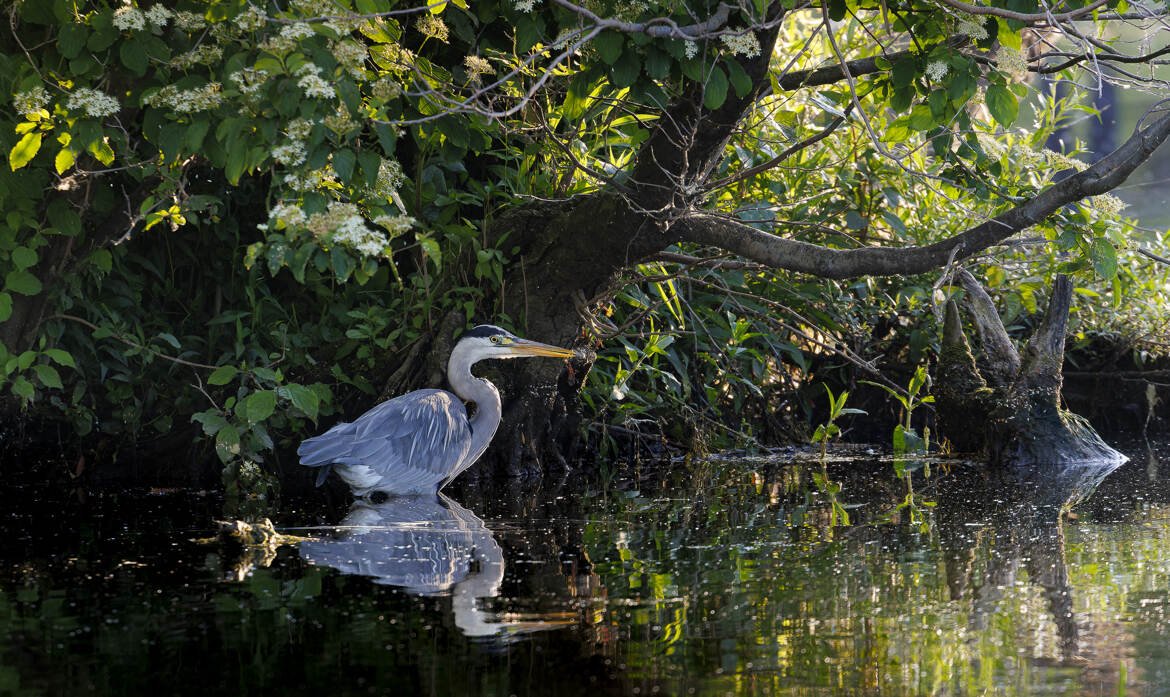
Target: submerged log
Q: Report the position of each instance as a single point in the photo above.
(1009, 410)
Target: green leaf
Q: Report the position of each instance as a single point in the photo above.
(609, 46)
(1104, 258)
(921, 118)
(739, 77)
(23, 257)
(223, 375)
(1002, 104)
(22, 388)
(626, 71)
(260, 405)
(5, 307)
(716, 92)
(25, 150)
(61, 357)
(903, 72)
(64, 160)
(48, 376)
(170, 339)
(369, 163)
(22, 282)
(102, 259)
(212, 421)
(341, 262)
(657, 63)
(133, 56)
(304, 399)
(72, 39)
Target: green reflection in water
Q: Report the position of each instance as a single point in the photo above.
(728, 579)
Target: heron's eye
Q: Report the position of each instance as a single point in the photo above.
(495, 339)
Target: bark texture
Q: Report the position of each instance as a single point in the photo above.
(1010, 409)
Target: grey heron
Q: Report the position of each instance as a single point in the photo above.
(418, 442)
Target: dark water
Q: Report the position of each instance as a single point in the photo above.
(724, 578)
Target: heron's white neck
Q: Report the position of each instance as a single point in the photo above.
(488, 409)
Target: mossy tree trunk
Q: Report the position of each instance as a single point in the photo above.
(1009, 410)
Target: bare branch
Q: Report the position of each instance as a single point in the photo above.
(795, 255)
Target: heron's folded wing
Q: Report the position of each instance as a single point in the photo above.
(412, 441)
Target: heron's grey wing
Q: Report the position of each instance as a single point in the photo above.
(412, 442)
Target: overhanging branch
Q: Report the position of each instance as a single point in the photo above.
(793, 255)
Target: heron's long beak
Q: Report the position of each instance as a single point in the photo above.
(524, 347)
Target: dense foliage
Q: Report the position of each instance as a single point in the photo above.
(250, 214)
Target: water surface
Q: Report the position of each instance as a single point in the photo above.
(727, 577)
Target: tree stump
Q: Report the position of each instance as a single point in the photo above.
(1009, 410)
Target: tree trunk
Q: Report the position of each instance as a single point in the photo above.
(1010, 409)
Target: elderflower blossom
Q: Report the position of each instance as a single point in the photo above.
(249, 80)
(309, 181)
(205, 54)
(251, 19)
(526, 5)
(291, 154)
(477, 66)
(340, 121)
(352, 56)
(1106, 205)
(188, 101)
(390, 179)
(298, 129)
(343, 224)
(31, 101)
(312, 82)
(746, 44)
(297, 31)
(289, 214)
(385, 89)
(395, 224)
(1011, 61)
(127, 18)
(691, 49)
(432, 27)
(937, 70)
(189, 21)
(159, 15)
(96, 104)
(972, 29)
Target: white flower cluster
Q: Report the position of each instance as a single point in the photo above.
(691, 49)
(1026, 157)
(526, 5)
(299, 129)
(395, 224)
(746, 44)
(389, 181)
(96, 104)
(1106, 205)
(189, 21)
(385, 89)
(309, 181)
(251, 19)
(31, 101)
(432, 27)
(937, 70)
(1011, 61)
(477, 66)
(352, 56)
(297, 31)
(970, 28)
(340, 121)
(341, 224)
(129, 18)
(188, 101)
(249, 80)
(205, 54)
(289, 214)
(291, 153)
(312, 82)
(159, 15)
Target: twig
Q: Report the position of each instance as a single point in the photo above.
(124, 340)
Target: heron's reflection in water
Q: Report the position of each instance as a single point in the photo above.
(426, 545)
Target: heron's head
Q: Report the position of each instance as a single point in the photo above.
(490, 341)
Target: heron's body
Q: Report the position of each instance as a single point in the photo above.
(417, 443)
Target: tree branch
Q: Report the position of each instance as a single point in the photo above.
(795, 255)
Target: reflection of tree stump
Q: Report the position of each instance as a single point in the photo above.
(1010, 410)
